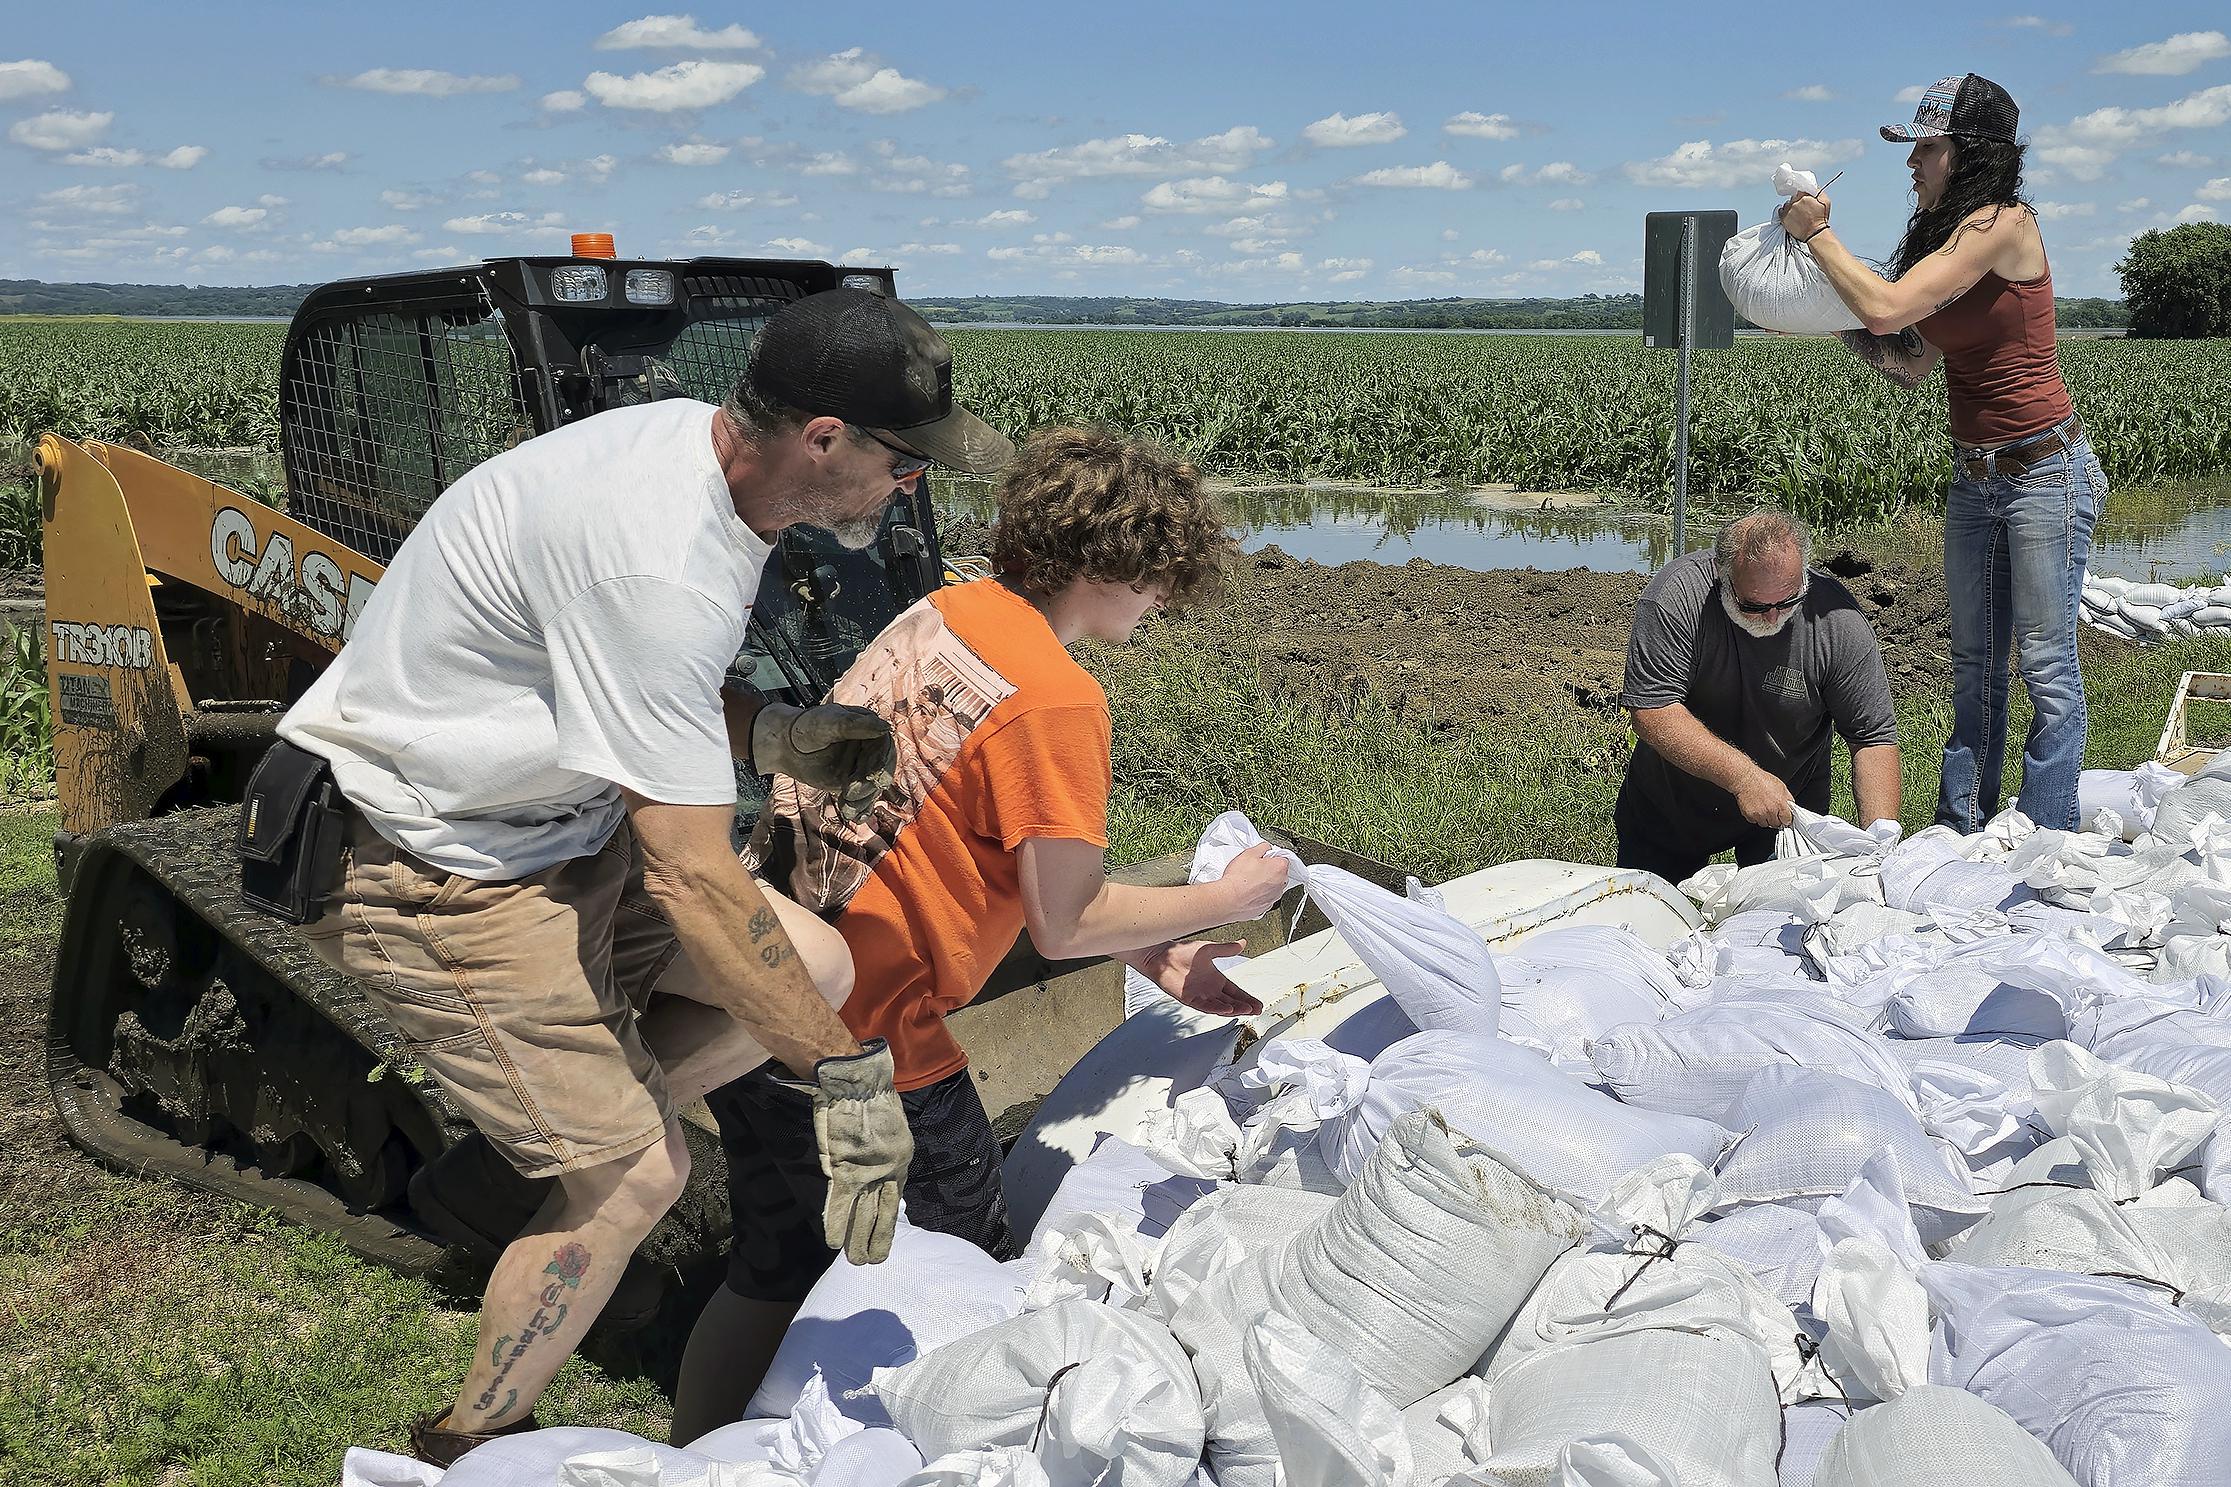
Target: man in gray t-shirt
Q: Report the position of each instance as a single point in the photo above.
(1740, 663)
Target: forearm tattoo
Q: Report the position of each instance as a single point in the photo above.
(766, 933)
(568, 1265)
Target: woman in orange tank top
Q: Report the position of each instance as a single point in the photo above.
(1970, 288)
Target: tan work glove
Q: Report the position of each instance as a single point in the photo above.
(860, 1127)
(847, 751)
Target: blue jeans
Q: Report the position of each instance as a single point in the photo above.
(2014, 555)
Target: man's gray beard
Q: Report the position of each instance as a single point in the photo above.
(855, 536)
(1755, 628)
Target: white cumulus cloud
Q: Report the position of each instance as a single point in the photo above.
(674, 33)
(2115, 127)
(60, 129)
(798, 247)
(1567, 204)
(2185, 160)
(543, 176)
(693, 154)
(697, 83)
(500, 224)
(31, 79)
(1913, 94)
(1811, 93)
(2175, 57)
(564, 101)
(1211, 194)
(1335, 131)
(2197, 212)
(1738, 162)
(106, 201)
(853, 79)
(1587, 256)
(1481, 126)
(370, 237)
(409, 201)
(2054, 210)
(1439, 176)
(2218, 189)
(425, 82)
(185, 157)
(1140, 155)
(330, 160)
(237, 218)
(2078, 162)
(2038, 23)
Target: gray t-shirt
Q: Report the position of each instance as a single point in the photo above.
(1775, 699)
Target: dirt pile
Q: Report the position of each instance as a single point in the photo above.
(1452, 646)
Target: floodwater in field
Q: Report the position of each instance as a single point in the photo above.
(2169, 533)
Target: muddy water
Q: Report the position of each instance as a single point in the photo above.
(2164, 535)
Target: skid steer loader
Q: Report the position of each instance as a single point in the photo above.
(189, 1035)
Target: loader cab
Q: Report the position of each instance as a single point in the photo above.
(392, 387)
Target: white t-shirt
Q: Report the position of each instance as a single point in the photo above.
(557, 625)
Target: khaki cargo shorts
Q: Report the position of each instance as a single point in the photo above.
(519, 998)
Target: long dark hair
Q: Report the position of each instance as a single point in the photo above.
(1985, 173)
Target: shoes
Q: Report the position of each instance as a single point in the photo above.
(433, 1442)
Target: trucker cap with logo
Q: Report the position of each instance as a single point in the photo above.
(1969, 104)
(871, 361)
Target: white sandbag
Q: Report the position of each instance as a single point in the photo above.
(1004, 1466)
(1703, 1406)
(2123, 1388)
(1108, 1395)
(1425, 1205)
(1811, 888)
(933, 1289)
(872, 1458)
(1547, 1126)
(1774, 281)
(1122, 1181)
(2132, 794)
(1928, 872)
(1807, 1428)
(1811, 1133)
(1440, 1428)
(1778, 1244)
(1332, 1429)
(1566, 985)
(538, 1458)
(364, 1467)
(1222, 1230)
(2184, 807)
(2127, 1128)
(1697, 1063)
(1098, 1258)
(1937, 1437)
(1435, 967)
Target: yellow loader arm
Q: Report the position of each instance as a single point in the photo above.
(255, 591)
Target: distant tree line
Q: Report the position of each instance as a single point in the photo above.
(1587, 312)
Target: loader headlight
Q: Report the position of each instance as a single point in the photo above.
(650, 286)
(575, 282)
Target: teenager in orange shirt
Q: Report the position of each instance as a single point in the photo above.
(996, 820)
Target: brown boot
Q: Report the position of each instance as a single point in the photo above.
(434, 1442)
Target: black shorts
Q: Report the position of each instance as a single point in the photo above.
(776, 1190)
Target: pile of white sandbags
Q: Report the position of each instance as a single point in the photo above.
(2146, 611)
(1908, 1168)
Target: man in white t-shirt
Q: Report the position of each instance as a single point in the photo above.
(532, 726)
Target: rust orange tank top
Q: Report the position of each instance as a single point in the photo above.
(2002, 377)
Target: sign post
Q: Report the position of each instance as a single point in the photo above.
(1683, 306)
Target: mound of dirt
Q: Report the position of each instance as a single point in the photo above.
(1453, 646)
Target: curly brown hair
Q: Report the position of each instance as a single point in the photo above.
(1090, 503)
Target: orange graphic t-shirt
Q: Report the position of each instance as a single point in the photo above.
(1001, 736)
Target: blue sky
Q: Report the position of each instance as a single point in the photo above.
(1215, 149)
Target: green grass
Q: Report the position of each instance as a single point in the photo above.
(1192, 740)
(26, 739)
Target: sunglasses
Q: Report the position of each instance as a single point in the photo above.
(1772, 607)
(905, 464)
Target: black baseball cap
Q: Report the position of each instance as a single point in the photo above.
(1969, 104)
(871, 361)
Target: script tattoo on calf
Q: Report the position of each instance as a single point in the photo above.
(568, 1265)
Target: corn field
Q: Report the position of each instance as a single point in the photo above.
(1796, 421)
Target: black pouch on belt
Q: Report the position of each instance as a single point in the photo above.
(292, 831)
